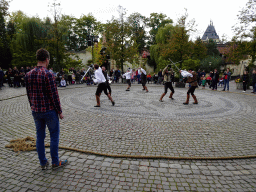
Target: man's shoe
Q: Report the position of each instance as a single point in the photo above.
(97, 106)
(185, 103)
(61, 164)
(45, 166)
(161, 100)
(127, 89)
(113, 103)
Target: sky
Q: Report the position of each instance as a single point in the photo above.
(223, 13)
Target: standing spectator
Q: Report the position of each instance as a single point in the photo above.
(215, 79)
(133, 77)
(111, 73)
(46, 108)
(155, 79)
(254, 81)
(199, 75)
(149, 78)
(70, 72)
(203, 73)
(10, 77)
(16, 80)
(160, 76)
(27, 70)
(15, 71)
(62, 73)
(1, 78)
(22, 70)
(227, 75)
(117, 74)
(22, 79)
(245, 81)
(138, 74)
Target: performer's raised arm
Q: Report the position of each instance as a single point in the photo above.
(185, 73)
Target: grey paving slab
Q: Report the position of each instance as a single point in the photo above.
(222, 124)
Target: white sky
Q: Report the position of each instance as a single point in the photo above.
(223, 13)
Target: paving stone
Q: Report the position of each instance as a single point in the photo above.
(146, 127)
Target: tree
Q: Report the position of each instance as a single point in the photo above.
(246, 29)
(85, 29)
(137, 23)
(5, 52)
(210, 63)
(155, 22)
(27, 41)
(199, 49)
(119, 42)
(212, 48)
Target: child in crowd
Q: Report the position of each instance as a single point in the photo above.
(63, 82)
(73, 78)
(221, 81)
(203, 81)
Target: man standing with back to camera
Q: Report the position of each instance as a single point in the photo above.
(46, 109)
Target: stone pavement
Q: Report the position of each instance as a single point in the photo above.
(222, 124)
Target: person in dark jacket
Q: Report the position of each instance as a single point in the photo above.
(215, 79)
(254, 81)
(1, 78)
(10, 77)
(245, 81)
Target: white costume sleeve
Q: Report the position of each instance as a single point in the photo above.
(142, 71)
(99, 77)
(186, 74)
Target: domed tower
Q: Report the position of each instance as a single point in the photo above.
(210, 33)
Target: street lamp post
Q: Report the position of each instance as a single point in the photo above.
(92, 39)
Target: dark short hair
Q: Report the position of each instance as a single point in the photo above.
(190, 69)
(42, 54)
(96, 66)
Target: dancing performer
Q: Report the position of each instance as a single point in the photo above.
(101, 80)
(127, 75)
(192, 79)
(143, 78)
(107, 78)
(167, 83)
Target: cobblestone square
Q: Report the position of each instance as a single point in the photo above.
(223, 124)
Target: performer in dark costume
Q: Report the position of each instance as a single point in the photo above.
(143, 78)
(167, 83)
(100, 79)
(192, 79)
(107, 78)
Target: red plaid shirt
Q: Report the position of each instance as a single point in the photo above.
(42, 90)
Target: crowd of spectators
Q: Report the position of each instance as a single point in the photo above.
(214, 79)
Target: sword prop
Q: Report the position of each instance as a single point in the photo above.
(175, 63)
(90, 67)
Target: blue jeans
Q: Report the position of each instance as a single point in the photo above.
(51, 119)
(226, 83)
